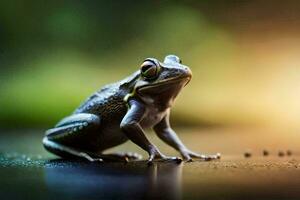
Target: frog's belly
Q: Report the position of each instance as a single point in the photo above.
(151, 118)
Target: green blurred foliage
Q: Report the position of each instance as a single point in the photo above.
(54, 54)
(61, 52)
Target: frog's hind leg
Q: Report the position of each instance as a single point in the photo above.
(64, 138)
(74, 126)
(68, 139)
(67, 152)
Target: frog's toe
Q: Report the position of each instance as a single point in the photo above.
(189, 160)
(100, 160)
(165, 159)
(212, 157)
(189, 155)
(133, 156)
(171, 159)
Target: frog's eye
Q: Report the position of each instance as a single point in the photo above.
(149, 69)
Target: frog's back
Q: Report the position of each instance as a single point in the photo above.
(108, 102)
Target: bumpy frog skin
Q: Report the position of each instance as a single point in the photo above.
(122, 111)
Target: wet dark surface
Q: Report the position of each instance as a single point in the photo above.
(28, 172)
(63, 179)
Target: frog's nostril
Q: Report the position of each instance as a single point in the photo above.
(187, 71)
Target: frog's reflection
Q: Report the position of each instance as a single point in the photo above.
(73, 180)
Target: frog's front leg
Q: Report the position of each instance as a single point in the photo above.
(168, 135)
(130, 125)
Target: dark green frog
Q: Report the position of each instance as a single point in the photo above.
(122, 111)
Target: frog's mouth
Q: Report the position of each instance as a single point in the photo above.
(171, 84)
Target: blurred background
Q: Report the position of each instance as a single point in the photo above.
(244, 56)
(244, 96)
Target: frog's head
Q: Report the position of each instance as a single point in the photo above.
(162, 81)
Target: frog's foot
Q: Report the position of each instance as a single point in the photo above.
(188, 156)
(165, 159)
(90, 158)
(68, 152)
(158, 157)
(122, 156)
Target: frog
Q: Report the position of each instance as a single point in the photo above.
(122, 111)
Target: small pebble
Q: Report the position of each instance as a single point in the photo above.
(247, 154)
(208, 158)
(289, 152)
(265, 152)
(280, 153)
